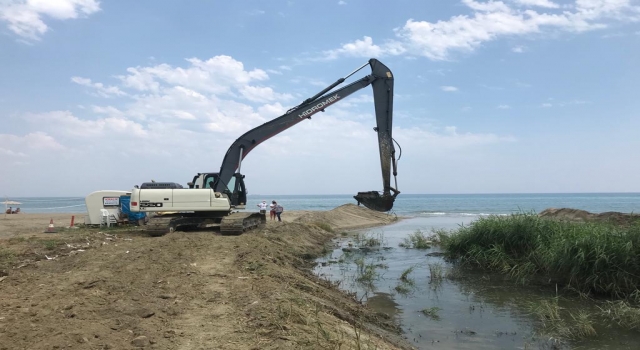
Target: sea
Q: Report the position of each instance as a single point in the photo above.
(408, 205)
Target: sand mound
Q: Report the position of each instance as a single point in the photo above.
(348, 217)
(577, 215)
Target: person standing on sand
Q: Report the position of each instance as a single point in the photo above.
(279, 210)
(272, 212)
(263, 207)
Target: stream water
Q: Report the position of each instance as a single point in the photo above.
(464, 309)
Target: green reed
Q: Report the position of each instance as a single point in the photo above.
(601, 258)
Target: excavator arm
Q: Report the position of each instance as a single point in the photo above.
(381, 80)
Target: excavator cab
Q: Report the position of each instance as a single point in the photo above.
(238, 193)
(234, 189)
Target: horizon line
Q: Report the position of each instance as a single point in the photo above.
(412, 194)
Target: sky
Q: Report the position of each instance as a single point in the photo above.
(512, 96)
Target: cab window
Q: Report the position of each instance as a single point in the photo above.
(232, 184)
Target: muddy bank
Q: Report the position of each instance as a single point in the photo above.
(577, 215)
(117, 289)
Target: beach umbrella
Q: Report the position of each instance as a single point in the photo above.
(7, 203)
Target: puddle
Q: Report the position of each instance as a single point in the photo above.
(441, 306)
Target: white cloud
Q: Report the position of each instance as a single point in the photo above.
(489, 6)
(504, 107)
(216, 75)
(518, 49)
(539, 3)
(39, 140)
(547, 105)
(489, 21)
(360, 48)
(262, 94)
(449, 88)
(66, 124)
(16, 150)
(26, 18)
(342, 2)
(108, 110)
(101, 89)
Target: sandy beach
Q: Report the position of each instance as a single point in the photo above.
(91, 288)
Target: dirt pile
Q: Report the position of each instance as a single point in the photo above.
(117, 289)
(577, 215)
(347, 217)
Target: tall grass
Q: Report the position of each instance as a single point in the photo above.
(369, 239)
(622, 313)
(559, 322)
(600, 258)
(416, 240)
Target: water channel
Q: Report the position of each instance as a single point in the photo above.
(463, 308)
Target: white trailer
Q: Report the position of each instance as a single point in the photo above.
(108, 200)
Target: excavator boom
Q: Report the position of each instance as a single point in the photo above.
(381, 80)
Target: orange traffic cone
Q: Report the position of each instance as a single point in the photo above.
(51, 229)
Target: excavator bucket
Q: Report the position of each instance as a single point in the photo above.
(374, 201)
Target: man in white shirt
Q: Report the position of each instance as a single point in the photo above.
(263, 207)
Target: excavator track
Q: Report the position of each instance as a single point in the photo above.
(232, 224)
(158, 226)
(237, 223)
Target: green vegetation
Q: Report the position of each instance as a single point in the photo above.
(600, 258)
(325, 226)
(368, 239)
(431, 312)
(366, 273)
(51, 244)
(416, 240)
(404, 277)
(435, 273)
(561, 323)
(403, 289)
(7, 258)
(407, 283)
(622, 313)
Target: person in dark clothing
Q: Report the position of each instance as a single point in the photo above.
(279, 209)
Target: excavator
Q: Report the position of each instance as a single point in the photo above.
(212, 199)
